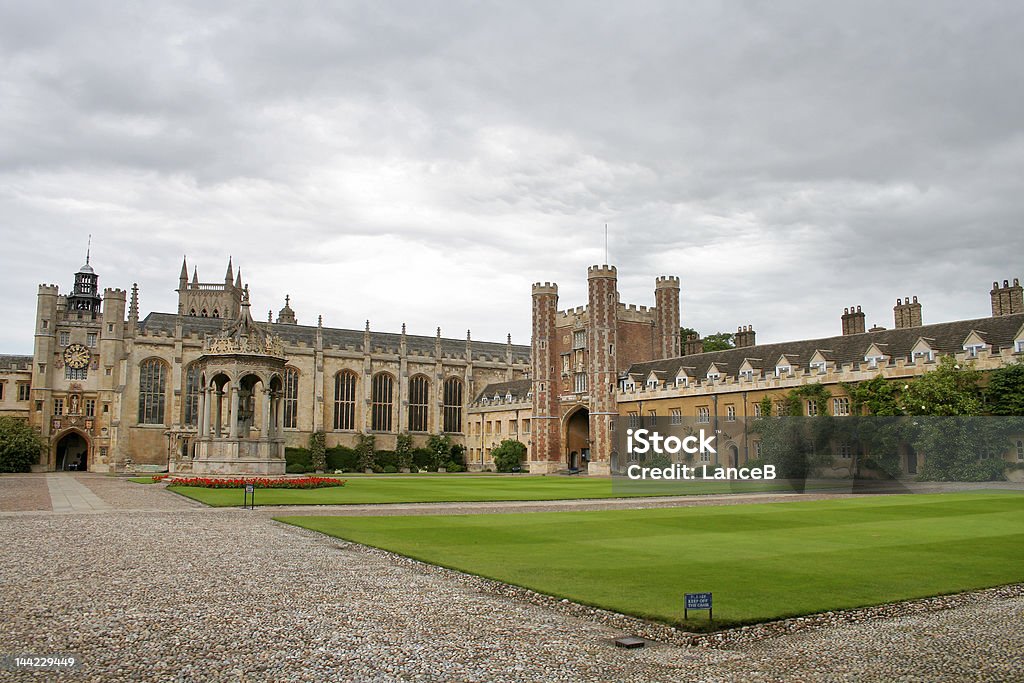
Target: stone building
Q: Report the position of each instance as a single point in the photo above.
(578, 356)
(107, 388)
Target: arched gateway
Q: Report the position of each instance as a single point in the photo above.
(240, 402)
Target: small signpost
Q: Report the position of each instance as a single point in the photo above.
(249, 498)
(697, 601)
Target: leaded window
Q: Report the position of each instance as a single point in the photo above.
(382, 402)
(152, 391)
(419, 393)
(291, 398)
(345, 400)
(452, 403)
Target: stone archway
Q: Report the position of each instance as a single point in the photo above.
(71, 452)
(577, 439)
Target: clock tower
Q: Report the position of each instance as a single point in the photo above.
(85, 298)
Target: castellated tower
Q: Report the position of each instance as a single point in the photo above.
(666, 304)
(602, 283)
(578, 354)
(547, 448)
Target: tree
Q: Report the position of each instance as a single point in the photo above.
(365, 451)
(440, 447)
(949, 389)
(792, 441)
(719, 341)
(1005, 392)
(318, 451)
(20, 446)
(403, 450)
(508, 455)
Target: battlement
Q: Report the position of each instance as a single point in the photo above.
(602, 271)
(573, 311)
(545, 288)
(52, 290)
(114, 293)
(635, 308)
(666, 282)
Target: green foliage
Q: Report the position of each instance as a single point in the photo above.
(962, 448)
(719, 341)
(793, 443)
(508, 455)
(440, 448)
(1005, 392)
(342, 458)
(458, 455)
(949, 389)
(297, 460)
(317, 451)
(403, 450)
(766, 406)
(365, 453)
(421, 458)
(877, 395)
(20, 446)
(452, 466)
(390, 469)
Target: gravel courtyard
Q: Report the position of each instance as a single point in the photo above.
(157, 588)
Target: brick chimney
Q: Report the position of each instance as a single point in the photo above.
(906, 313)
(744, 336)
(853, 320)
(692, 345)
(1008, 298)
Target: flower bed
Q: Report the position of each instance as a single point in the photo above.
(258, 482)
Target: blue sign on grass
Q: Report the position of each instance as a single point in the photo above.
(698, 601)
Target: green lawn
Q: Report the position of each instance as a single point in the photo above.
(762, 561)
(461, 488)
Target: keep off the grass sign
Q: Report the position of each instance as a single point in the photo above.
(697, 601)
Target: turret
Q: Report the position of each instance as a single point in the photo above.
(666, 303)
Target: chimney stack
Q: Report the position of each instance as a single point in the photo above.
(744, 336)
(906, 313)
(853, 320)
(1007, 299)
(692, 345)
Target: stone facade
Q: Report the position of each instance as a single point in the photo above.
(136, 400)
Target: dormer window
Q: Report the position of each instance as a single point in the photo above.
(747, 375)
(508, 397)
(712, 376)
(974, 349)
(781, 370)
(819, 367)
(873, 361)
(682, 381)
(926, 354)
(652, 383)
(1020, 346)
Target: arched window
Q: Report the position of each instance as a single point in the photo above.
(345, 400)
(192, 312)
(152, 391)
(453, 404)
(291, 398)
(216, 313)
(419, 391)
(381, 402)
(203, 314)
(192, 395)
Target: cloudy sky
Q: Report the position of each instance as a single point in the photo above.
(426, 162)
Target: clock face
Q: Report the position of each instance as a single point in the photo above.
(76, 356)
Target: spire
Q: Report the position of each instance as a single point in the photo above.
(88, 249)
(133, 307)
(195, 276)
(286, 314)
(184, 271)
(238, 280)
(230, 275)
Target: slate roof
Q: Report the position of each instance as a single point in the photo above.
(519, 388)
(14, 362)
(291, 335)
(943, 338)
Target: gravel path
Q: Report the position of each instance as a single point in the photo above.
(228, 595)
(20, 492)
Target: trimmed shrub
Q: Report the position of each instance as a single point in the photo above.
(390, 469)
(422, 458)
(342, 458)
(453, 466)
(298, 457)
(20, 446)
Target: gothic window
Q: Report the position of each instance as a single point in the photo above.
(452, 404)
(192, 312)
(419, 391)
(291, 398)
(76, 373)
(192, 395)
(152, 391)
(216, 313)
(204, 314)
(345, 400)
(382, 402)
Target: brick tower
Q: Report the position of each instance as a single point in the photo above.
(666, 304)
(603, 304)
(547, 447)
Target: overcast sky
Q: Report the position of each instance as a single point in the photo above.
(426, 162)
